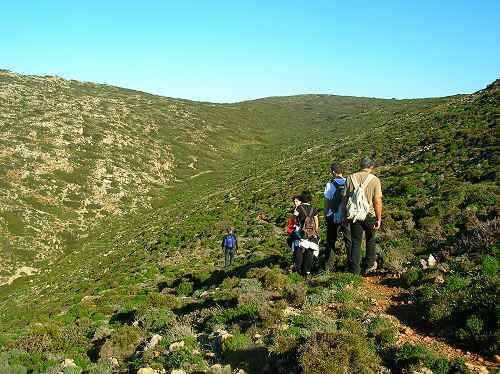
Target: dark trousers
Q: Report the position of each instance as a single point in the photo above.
(303, 260)
(354, 256)
(332, 230)
(228, 256)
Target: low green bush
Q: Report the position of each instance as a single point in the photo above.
(122, 343)
(176, 332)
(156, 319)
(183, 357)
(285, 342)
(320, 297)
(236, 342)
(156, 299)
(416, 356)
(383, 331)
(412, 276)
(250, 291)
(101, 367)
(341, 280)
(467, 306)
(272, 278)
(17, 361)
(295, 294)
(247, 312)
(53, 336)
(490, 266)
(272, 313)
(338, 353)
(185, 288)
(72, 370)
(229, 283)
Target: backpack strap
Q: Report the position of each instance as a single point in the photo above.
(307, 214)
(367, 180)
(311, 211)
(354, 181)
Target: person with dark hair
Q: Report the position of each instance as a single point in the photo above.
(293, 229)
(364, 211)
(335, 191)
(306, 246)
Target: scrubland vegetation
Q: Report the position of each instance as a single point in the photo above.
(147, 288)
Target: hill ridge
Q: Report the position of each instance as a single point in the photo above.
(159, 272)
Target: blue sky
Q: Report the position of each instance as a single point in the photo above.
(236, 50)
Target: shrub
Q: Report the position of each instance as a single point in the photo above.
(12, 362)
(250, 291)
(396, 258)
(185, 288)
(384, 332)
(489, 266)
(412, 276)
(284, 343)
(312, 323)
(272, 313)
(343, 296)
(52, 336)
(350, 312)
(122, 344)
(17, 361)
(236, 342)
(182, 358)
(324, 296)
(337, 353)
(272, 278)
(341, 280)
(156, 319)
(485, 235)
(473, 327)
(417, 356)
(247, 312)
(467, 306)
(431, 227)
(72, 370)
(156, 299)
(176, 332)
(294, 278)
(102, 367)
(295, 294)
(229, 283)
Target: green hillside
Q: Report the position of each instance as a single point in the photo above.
(74, 153)
(156, 268)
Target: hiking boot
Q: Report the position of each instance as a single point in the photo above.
(371, 269)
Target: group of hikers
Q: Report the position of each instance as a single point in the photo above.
(352, 206)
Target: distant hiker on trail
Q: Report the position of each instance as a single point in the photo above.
(230, 247)
(364, 211)
(306, 243)
(335, 192)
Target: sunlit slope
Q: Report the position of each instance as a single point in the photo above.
(439, 171)
(72, 153)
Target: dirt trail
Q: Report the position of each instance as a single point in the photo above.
(394, 301)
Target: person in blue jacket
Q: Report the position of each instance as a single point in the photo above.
(335, 192)
(229, 246)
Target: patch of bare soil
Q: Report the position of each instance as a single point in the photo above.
(395, 301)
(20, 272)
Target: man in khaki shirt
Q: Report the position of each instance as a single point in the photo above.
(372, 222)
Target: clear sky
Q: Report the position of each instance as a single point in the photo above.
(236, 50)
